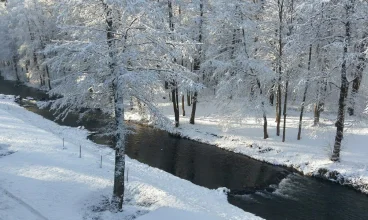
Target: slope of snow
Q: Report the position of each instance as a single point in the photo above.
(170, 214)
(310, 155)
(39, 179)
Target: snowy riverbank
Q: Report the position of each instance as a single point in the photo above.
(41, 180)
(310, 155)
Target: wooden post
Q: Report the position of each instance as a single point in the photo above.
(63, 144)
(80, 151)
(101, 162)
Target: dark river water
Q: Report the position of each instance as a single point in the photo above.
(268, 191)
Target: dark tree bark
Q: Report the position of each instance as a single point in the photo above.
(188, 98)
(265, 133)
(174, 101)
(15, 65)
(361, 48)
(197, 63)
(177, 95)
(343, 91)
(278, 107)
(290, 26)
(354, 92)
(174, 85)
(183, 104)
(285, 107)
(279, 66)
(48, 80)
(194, 107)
(272, 96)
(305, 93)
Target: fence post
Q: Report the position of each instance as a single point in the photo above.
(80, 151)
(101, 162)
(63, 144)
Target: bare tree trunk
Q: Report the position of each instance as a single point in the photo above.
(272, 96)
(354, 92)
(197, 63)
(174, 89)
(131, 103)
(278, 107)
(176, 109)
(194, 106)
(343, 92)
(290, 26)
(15, 65)
(177, 95)
(304, 94)
(285, 107)
(361, 48)
(183, 104)
(279, 65)
(265, 133)
(118, 193)
(47, 73)
(48, 80)
(35, 63)
(188, 98)
(319, 106)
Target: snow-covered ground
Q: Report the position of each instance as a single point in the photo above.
(309, 155)
(41, 180)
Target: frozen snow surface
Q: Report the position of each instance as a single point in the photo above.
(245, 135)
(170, 214)
(41, 179)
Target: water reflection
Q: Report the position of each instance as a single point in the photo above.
(199, 163)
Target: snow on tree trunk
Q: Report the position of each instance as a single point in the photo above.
(358, 76)
(305, 94)
(118, 193)
(354, 91)
(119, 142)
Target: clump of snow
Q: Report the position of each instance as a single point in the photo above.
(41, 180)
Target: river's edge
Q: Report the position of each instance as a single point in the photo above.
(321, 173)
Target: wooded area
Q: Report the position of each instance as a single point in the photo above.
(264, 54)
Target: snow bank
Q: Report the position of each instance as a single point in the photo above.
(41, 180)
(170, 214)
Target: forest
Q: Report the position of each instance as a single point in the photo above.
(253, 58)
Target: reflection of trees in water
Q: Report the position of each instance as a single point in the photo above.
(199, 163)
